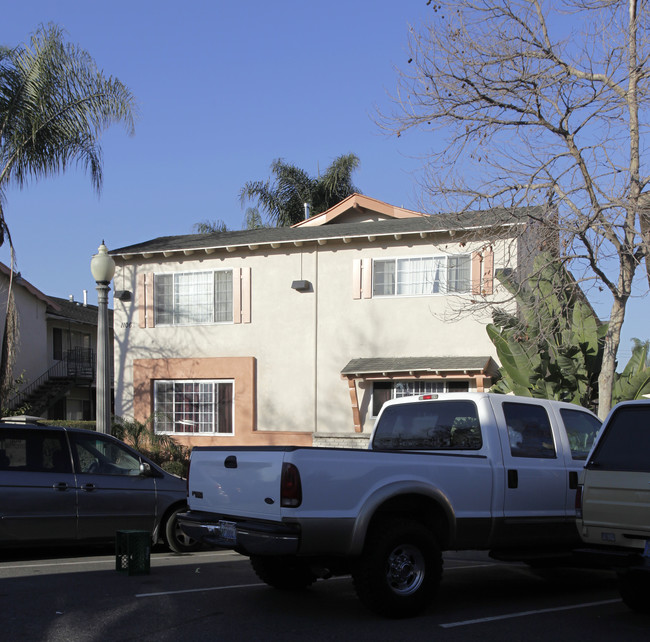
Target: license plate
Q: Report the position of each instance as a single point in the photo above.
(646, 550)
(228, 532)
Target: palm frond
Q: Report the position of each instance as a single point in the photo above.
(54, 104)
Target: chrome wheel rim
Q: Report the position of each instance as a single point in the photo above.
(406, 568)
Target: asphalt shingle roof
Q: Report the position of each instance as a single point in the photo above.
(417, 364)
(440, 222)
(77, 311)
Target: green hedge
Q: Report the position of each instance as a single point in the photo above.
(69, 423)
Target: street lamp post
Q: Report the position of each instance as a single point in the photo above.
(102, 267)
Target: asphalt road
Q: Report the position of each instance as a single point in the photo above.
(68, 595)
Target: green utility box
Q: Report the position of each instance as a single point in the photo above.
(133, 552)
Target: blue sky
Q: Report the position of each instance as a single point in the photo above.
(223, 88)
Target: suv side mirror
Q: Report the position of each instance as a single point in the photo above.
(145, 469)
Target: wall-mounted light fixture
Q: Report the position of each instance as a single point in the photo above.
(122, 295)
(302, 286)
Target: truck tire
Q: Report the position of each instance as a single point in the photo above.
(176, 539)
(634, 586)
(400, 569)
(286, 572)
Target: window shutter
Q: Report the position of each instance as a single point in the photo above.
(142, 300)
(241, 295)
(488, 271)
(362, 279)
(476, 272)
(366, 278)
(356, 278)
(149, 289)
(246, 295)
(483, 272)
(145, 300)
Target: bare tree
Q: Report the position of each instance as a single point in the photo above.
(540, 102)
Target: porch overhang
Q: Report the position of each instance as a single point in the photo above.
(481, 370)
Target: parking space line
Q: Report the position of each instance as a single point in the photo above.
(196, 558)
(223, 588)
(199, 590)
(507, 616)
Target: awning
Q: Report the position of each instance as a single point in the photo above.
(420, 367)
(479, 369)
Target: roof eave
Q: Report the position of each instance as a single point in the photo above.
(299, 242)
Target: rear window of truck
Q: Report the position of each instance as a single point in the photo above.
(529, 431)
(625, 444)
(581, 429)
(432, 425)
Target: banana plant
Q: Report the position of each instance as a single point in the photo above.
(553, 347)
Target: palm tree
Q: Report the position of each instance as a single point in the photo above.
(54, 104)
(284, 198)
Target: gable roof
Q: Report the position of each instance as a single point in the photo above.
(358, 205)
(24, 283)
(344, 232)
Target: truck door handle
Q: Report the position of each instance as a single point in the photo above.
(513, 479)
(573, 479)
(230, 462)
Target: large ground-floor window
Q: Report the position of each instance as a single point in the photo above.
(194, 406)
(382, 391)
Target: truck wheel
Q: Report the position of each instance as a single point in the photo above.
(176, 539)
(287, 573)
(634, 587)
(399, 571)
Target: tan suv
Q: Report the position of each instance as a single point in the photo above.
(613, 502)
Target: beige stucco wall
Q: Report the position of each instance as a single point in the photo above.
(31, 357)
(300, 340)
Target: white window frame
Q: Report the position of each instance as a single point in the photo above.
(168, 415)
(193, 298)
(422, 275)
(412, 388)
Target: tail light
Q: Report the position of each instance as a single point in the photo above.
(187, 480)
(290, 487)
(579, 501)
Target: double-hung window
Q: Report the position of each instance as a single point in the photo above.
(194, 406)
(422, 275)
(194, 298)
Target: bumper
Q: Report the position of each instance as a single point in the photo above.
(249, 538)
(614, 558)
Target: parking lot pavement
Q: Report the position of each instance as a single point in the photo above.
(216, 596)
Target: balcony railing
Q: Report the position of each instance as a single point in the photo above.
(78, 364)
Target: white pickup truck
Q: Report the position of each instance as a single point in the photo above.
(455, 471)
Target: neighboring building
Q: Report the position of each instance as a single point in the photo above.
(297, 335)
(55, 352)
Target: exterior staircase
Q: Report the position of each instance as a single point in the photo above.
(77, 368)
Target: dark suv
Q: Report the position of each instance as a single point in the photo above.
(60, 485)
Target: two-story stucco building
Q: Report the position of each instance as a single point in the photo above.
(294, 335)
(54, 342)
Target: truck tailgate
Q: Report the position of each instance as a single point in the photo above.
(239, 480)
(617, 499)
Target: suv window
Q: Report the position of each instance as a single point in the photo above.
(529, 430)
(99, 455)
(34, 450)
(581, 429)
(432, 425)
(626, 441)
